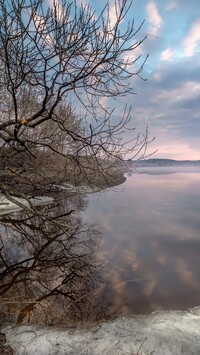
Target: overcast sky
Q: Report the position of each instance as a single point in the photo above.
(169, 102)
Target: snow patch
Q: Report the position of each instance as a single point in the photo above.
(6, 206)
(172, 332)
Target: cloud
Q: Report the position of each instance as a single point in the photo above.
(169, 102)
(188, 91)
(154, 17)
(157, 76)
(171, 5)
(112, 15)
(83, 2)
(176, 73)
(166, 54)
(191, 41)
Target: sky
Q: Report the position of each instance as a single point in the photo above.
(169, 101)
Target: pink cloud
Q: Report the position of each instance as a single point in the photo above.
(174, 149)
(166, 54)
(154, 17)
(171, 5)
(192, 40)
(157, 76)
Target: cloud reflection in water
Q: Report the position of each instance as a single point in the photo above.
(151, 234)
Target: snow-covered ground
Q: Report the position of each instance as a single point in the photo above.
(160, 333)
(6, 206)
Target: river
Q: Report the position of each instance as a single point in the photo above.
(128, 250)
(151, 236)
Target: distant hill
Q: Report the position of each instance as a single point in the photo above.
(162, 162)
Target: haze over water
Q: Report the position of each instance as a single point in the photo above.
(151, 232)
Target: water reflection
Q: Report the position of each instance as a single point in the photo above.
(151, 234)
(50, 265)
(55, 268)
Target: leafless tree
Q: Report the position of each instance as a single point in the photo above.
(53, 58)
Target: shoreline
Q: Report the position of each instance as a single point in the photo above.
(7, 206)
(161, 332)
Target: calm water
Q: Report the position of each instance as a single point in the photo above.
(133, 249)
(151, 235)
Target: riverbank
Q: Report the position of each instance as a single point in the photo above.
(171, 332)
(21, 173)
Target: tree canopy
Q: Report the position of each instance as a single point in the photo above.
(53, 57)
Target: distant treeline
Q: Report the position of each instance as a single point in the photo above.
(163, 162)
